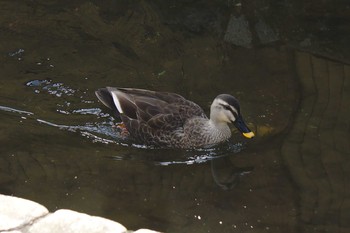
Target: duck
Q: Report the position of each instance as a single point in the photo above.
(165, 119)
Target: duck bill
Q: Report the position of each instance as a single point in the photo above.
(243, 128)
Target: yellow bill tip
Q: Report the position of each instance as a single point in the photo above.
(249, 135)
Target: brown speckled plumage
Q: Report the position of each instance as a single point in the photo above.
(169, 120)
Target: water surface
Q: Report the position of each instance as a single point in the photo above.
(59, 146)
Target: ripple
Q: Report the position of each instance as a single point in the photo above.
(173, 156)
(16, 53)
(88, 111)
(38, 83)
(106, 133)
(197, 156)
(98, 132)
(9, 109)
(58, 89)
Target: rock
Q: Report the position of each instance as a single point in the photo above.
(265, 32)
(69, 221)
(238, 32)
(16, 212)
(18, 215)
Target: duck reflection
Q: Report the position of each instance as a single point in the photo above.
(226, 174)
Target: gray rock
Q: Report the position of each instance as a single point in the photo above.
(238, 32)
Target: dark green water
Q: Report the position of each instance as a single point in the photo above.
(58, 146)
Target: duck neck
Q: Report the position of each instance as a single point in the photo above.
(219, 130)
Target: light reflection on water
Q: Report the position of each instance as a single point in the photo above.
(9, 109)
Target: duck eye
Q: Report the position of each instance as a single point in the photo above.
(227, 107)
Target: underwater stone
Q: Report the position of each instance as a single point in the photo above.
(238, 32)
(265, 33)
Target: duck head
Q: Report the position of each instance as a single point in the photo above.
(225, 109)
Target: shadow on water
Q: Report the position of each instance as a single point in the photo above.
(287, 63)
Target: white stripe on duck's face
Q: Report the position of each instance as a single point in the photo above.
(221, 111)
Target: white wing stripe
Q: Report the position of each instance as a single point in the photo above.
(116, 102)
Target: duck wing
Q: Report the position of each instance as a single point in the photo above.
(144, 111)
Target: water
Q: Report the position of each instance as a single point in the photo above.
(59, 146)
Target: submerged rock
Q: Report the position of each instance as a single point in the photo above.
(265, 32)
(238, 32)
